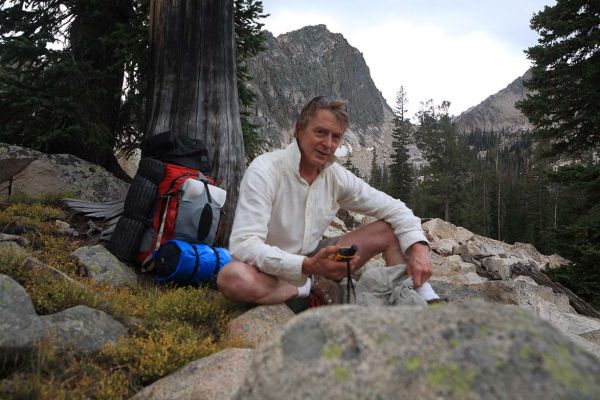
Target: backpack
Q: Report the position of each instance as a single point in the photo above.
(187, 208)
(170, 198)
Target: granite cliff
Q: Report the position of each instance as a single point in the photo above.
(309, 62)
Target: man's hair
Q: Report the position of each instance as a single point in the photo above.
(337, 107)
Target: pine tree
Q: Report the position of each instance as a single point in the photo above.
(249, 42)
(400, 170)
(564, 108)
(564, 100)
(446, 152)
(62, 69)
(349, 165)
(376, 173)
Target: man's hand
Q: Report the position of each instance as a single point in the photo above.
(322, 264)
(419, 264)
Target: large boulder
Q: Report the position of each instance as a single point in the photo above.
(83, 329)
(474, 350)
(438, 229)
(102, 266)
(20, 327)
(59, 173)
(210, 378)
(258, 324)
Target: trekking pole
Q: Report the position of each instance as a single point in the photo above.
(346, 254)
(349, 283)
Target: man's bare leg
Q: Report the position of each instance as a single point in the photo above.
(372, 239)
(245, 283)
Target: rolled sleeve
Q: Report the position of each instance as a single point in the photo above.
(358, 196)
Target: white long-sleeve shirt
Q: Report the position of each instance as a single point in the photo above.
(280, 218)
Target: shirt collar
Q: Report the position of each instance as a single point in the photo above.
(294, 155)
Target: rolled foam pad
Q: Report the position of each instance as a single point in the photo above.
(140, 199)
(151, 169)
(125, 240)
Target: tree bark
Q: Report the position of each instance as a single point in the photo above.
(193, 87)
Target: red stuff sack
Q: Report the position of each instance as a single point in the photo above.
(166, 223)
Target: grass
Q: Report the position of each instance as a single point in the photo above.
(171, 326)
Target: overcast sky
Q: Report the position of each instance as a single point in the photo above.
(456, 50)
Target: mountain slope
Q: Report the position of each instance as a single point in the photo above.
(498, 111)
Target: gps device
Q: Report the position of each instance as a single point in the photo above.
(346, 253)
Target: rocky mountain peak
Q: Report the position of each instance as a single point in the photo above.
(308, 62)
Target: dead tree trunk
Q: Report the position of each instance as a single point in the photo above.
(193, 87)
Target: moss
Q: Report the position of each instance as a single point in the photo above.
(413, 363)
(29, 215)
(342, 374)
(95, 268)
(454, 342)
(332, 352)
(559, 364)
(484, 330)
(450, 377)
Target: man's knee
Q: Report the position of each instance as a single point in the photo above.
(386, 232)
(382, 235)
(232, 279)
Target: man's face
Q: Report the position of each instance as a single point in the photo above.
(319, 139)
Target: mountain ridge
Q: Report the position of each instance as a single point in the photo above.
(498, 112)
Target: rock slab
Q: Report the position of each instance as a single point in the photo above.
(83, 329)
(60, 173)
(216, 377)
(258, 324)
(474, 350)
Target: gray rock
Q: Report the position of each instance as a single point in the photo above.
(83, 329)
(102, 266)
(456, 293)
(259, 324)
(212, 378)
(444, 246)
(20, 327)
(12, 248)
(60, 173)
(556, 261)
(501, 266)
(474, 350)
(543, 303)
(20, 240)
(438, 229)
(593, 336)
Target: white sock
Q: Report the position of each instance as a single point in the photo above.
(304, 290)
(427, 292)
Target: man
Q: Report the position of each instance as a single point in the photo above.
(287, 200)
